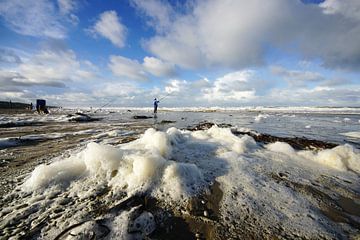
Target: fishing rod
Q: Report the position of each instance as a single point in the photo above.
(106, 104)
(165, 96)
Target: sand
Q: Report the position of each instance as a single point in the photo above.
(200, 218)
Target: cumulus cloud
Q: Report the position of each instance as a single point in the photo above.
(9, 56)
(158, 67)
(231, 87)
(15, 79)
(53, 69)
(348, 8)
(33, 18)
(176, 86)
(66, 8)
(17, 95)
(55, 65)
(125, 67)
(110, 27)
(337, 81)
(122, 92)
(229, 33)
(296, 77)
(159, 13)
(318, 96)
(132, 69)
(238, 33)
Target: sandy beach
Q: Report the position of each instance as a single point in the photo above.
(133, 178)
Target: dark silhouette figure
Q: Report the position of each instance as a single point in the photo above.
(156, 103)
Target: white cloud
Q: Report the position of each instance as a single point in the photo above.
(200, 84)
(347, 8)
(124, 67)
(238, 33)
(50, 65)
(109, 26)
(15, 79)
(66, 8)
(231, 87)
(132, 69)
(22, 95)
(176, 86)
(228, 33)
(71, 99)
(296, 77)
(158, 67)
(34, 18)
(9, 56)
(119, 91)
(56, 69)
(318, 96)
(159, 13)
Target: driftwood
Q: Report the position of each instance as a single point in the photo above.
(141, 117)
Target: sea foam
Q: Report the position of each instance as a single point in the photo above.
(175, 165)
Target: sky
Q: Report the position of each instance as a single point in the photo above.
(189, 53)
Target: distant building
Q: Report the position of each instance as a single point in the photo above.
(41, 106)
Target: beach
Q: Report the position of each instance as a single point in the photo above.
(258, 173)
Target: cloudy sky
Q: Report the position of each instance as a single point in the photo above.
(223, 53)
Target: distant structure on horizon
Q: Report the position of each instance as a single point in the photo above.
(41, 106)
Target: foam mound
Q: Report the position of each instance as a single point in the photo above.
(177, 165)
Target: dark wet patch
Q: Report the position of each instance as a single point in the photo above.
(174, 228)
(207, 205)
(207, 125)
(20, 124)
(204, 218)
(201, 126)
(17, 142)
(349, 205)
(296, 142)
(166, 122)
(141, 117)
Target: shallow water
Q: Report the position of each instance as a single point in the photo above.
(79, 189)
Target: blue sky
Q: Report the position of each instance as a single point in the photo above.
(199, 53)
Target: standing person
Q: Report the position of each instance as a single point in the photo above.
(156, 103)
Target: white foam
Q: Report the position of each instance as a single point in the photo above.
(343, 158)
(175, 165)
(351, 134)
(261, 117)
(281, 147)
(56, 173)
(182, 179)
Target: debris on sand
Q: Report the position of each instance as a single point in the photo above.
(141, 117)
(201, 126)
(296, 142)
(167, 122)
(81, 117)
